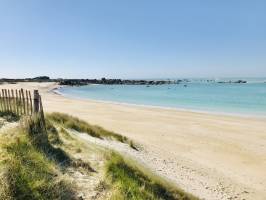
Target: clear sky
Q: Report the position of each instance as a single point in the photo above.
(132, 38)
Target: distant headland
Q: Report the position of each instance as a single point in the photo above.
(81, 82)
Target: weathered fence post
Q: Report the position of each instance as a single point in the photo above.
(42, 113)
(23, 101)
(1, 102)
(17, 102)
(13, 101)
(20, 103)
(30, 103)
(27, 103)
(36, 101)
(7, 101)
(3, 99)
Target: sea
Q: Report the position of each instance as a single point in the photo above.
(203, 95)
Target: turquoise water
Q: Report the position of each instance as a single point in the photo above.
(244, 99)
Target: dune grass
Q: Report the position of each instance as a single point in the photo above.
(40, 136)
(9, 116)
(130, 183)
(31, 166)
(76, 124)
(30, 175)
(27, 172)
(66, 134)
(53, 134)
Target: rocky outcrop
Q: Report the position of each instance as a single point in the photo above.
(79, 82)
(238, 81)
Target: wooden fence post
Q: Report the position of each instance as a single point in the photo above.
(42, 113)
(27, 103)
(23, 101)
(30, 103)
(7, 102)
(20, 103)
(13, 101)
(36, 101)
(3, 99)
(1, 102)
(17, 102)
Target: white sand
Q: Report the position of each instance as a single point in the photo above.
(211, 156)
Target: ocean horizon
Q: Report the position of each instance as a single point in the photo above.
(203, 95)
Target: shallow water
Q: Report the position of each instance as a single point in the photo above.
(247, 99)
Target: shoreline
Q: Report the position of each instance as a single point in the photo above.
(215, 113)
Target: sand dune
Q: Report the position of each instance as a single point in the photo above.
(211, 156)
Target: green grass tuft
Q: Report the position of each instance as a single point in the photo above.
(129, 183)
(31, 175)
(133, 146)
(81, 126)
(65, 133)
(9, 116)
(53, 135)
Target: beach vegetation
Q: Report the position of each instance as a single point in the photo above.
(53, 134)
(79, 125)
(9, 116)
(130, 182)
(33, 166)
(27, 171)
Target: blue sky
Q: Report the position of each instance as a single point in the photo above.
(132, 38)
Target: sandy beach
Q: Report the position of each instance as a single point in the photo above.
(209, 155)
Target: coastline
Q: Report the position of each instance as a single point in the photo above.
(211, 156)
(196, 111)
